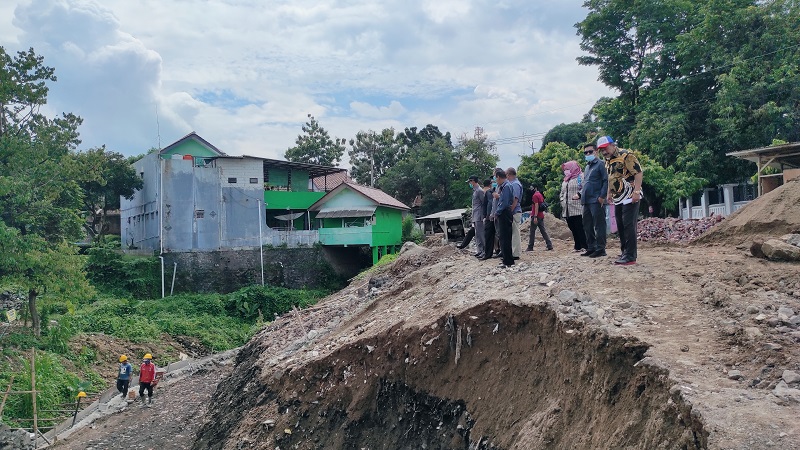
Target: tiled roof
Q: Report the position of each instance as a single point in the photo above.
(378, 196)
(330, 181)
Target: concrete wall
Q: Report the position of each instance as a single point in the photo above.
(228, 270)
(139, 216)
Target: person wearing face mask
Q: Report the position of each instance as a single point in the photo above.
(571, 208)
(592, 195)
(478, 211)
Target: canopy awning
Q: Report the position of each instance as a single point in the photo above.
(333, 213)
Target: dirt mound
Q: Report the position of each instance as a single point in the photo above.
(556, 229)
(771, 215)
(494, 376)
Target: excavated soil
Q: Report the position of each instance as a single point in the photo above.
(770, 215)
(683, 350)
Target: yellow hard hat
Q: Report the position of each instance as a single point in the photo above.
(123, 358)
(148, 356)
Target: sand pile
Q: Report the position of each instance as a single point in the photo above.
(771, 215)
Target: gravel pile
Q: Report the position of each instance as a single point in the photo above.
(674, 230)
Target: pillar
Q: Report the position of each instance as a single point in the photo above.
(727, 193)
(374, 255)
(704, 203)
(689, 207)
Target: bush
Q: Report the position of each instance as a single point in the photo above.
(270, 301)
(411, 231)
(124, 276)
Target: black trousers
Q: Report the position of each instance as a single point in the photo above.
(467, 238)
(575, 224)
(626, 216)
(488, 239)
(122, 386)
(143, 386)
(505, 229)
(594, 226)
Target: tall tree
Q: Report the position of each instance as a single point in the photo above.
(410, 137)
(372, 154)
(114, 177)
(573, 134)
(315, 146)
(40, 197)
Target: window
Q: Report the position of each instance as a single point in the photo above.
(232, 180)
(253, 180)
(200, 213)
(141, 174)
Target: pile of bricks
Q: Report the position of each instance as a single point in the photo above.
(659, 230)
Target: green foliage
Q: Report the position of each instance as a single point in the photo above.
(438, 172)
(574, 135)
(411, 231)
(315, 146)
(372, 154)
(127, 276)
(543, 169)
(269, 301)
(112, 177)
(54, 385)
(696, 80)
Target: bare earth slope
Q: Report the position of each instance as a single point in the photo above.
(683, 350)
(773, 214)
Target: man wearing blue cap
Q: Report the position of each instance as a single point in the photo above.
(624, 192)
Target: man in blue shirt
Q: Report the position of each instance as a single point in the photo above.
(123, 375)
(505, 217)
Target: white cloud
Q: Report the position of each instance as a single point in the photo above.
(244, 74)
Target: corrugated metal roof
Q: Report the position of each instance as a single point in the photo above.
(451, 214)
(334, 213)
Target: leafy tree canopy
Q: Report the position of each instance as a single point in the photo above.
(573, 134)
(372, 154)
(315, 146)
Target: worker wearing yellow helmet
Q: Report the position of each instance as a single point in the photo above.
(147, 373)
(124, 375)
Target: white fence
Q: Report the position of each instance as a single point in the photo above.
(724, 209)
(291, 239)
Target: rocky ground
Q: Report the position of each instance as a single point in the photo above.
(715, 329)
(695, 346)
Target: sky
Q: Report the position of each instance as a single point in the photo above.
(245, 74)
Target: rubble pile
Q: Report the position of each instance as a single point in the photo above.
(675, 230)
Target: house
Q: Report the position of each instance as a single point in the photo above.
(356, 215)
(197, 198)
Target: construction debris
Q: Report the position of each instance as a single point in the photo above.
(675, 230)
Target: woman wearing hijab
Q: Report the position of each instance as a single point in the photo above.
(571, 208)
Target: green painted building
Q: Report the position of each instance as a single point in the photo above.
(356, 215)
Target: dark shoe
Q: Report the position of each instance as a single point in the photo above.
(516, 258)
(587, 253)
(497, 256)
(480, 256)
(598, 253)
(529, 249)
(550, 248)
(625, 262)
(484, 258)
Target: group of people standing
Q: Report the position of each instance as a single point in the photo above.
(585, 194)
(497, 212)
(614, 180)
(147, 375)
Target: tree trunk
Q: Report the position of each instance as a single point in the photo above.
(37, 328)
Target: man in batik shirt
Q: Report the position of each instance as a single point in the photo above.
(625, 193)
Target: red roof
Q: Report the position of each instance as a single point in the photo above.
(378, 196)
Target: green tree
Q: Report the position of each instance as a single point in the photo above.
(573, 134)
(372, 154)
(410, 137)
(114, 178)
(543, 169)
(315, 146)
(40, 197)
